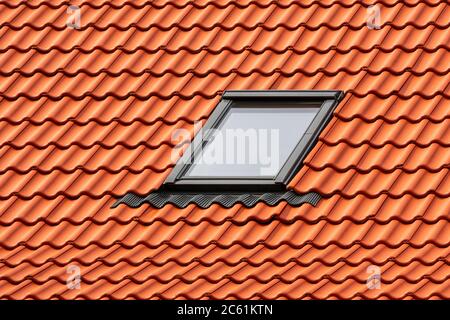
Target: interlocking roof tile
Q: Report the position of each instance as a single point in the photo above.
(88, 115)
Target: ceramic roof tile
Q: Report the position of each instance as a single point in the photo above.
(88, 115)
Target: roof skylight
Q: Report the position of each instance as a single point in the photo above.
(254, 140)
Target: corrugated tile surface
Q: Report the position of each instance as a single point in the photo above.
(88, 115)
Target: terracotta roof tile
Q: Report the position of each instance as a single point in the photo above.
(87, 115)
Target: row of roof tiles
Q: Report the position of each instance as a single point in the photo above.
(56, 63)
(359, 209)
(386, 83)
(180, 4)
(369, 108)
(248, 16)
(216, 40)
(409, 157)
(226, 289)
(421, 132)
(74, 135)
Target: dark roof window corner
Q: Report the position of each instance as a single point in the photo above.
(249, 149)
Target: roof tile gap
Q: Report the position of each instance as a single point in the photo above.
(416, 231)
(178, 277)
(376, 47)
(61, 252)
(367, 147)
(262, 248)
(238, 208)
(177, 231)
(20, 287)
(130, 102)
(4, 92)
(72, 124)
(105, 205)
(147, 12)
(184, 17)
(411, 76)
(225, 282)
(402, 250)
(158, 253)
(99, 83)
(41, 270)
(247, 52)
(73, 182)
(443, 179)
(175, 281)
(315, 150)
(278, 78)
(422, 130)
(334, 206)
(321, 76)
(30, 238)
(272, 232)
(175, 31)
(354, 253)
(261, 30)
(129, 164)
(132, 33)
(81, 109)
(17, 252)
(383, 202)
(39, 108)
(11, 22)
(98, 264)
(47, 156)
(55, 207)
(114, 251)
(25, 125)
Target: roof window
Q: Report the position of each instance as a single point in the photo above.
(253, 140)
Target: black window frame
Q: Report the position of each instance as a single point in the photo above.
(328, 100)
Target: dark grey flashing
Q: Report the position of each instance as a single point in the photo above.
(159, 199)
(304, 95)
(328, 99)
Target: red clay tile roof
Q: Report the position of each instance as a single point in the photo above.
(86, 115)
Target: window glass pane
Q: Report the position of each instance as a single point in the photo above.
(252, 142)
